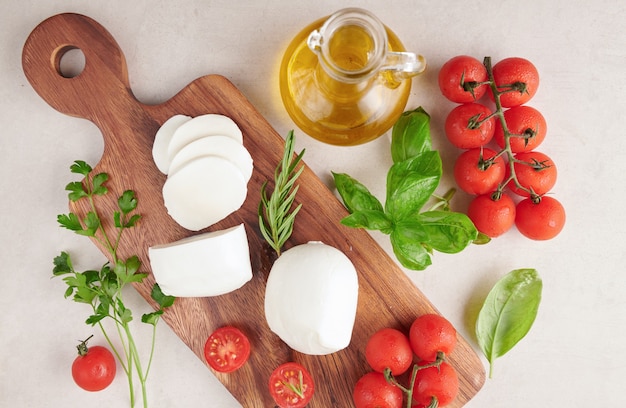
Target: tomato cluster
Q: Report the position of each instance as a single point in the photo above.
(390, 353)
(500, 165)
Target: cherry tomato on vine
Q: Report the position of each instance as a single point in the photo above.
(475, 173)
(467, 127)
(432, 333)
(441, 383)
(95, 367)
(523, 121)
(534, 171)
(227, 349)
(389, 348)
(540, 221)
(462, 70)
(373, 391)
(492, 217)
(291, 385)
(513, 72)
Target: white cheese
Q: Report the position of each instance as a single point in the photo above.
(208, 264)
(222, 146)
(200, 126)
(204, 191)
(162, 141)
(311, 298)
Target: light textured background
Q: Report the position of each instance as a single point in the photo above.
(574, 356)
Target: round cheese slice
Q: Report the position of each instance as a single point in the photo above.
(204, 191)
(209, 264)
(311, 298)
(162, 141)
(222, 146)
(200, 126)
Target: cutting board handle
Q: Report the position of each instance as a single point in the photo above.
(104, 78)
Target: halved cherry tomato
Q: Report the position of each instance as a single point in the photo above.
(432, 382)
(227, 349)
(432, 333)
(512, 72)
(527, 123)
(95, 367)
(389, 348)
(459, 71)
(291, 385)
(467, 125)
(373, 391)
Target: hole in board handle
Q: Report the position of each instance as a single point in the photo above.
(70, 62)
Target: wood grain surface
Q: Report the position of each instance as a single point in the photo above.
(101, 93)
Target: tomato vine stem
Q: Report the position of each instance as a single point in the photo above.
(507, 149)
(408, 391)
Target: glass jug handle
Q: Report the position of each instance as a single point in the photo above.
(399, 66)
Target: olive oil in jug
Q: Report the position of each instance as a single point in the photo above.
(346, 79)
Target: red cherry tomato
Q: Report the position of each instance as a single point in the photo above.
(540, 221)
(441, 383)
(534, 171)
(227, 349)
(517, 72)
(291, 385)
(462, 70)
(492, 217)
(467, 127)
(95, 367)
(373, 391)
(389, 348)
(523, 121)
(476, 174)
(432, 333)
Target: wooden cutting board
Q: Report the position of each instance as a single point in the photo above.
(101, 93)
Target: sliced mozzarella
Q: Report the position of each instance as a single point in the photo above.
(222, 146)
(162, 140)
(204, 125)
(311, 298)
(204, 191)
(209, 264)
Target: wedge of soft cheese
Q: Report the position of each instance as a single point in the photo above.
(311, 298)
(209, 264)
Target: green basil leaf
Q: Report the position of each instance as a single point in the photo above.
(406, 241)
(411, 183)
(355, 196)
(410, 135)
(368, 219)
(508, 313)
(448, 232)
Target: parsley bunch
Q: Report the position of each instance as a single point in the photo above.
(102, 289)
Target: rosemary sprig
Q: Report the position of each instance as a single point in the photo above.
(276, 218)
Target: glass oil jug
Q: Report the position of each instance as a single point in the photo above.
(346, 79)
